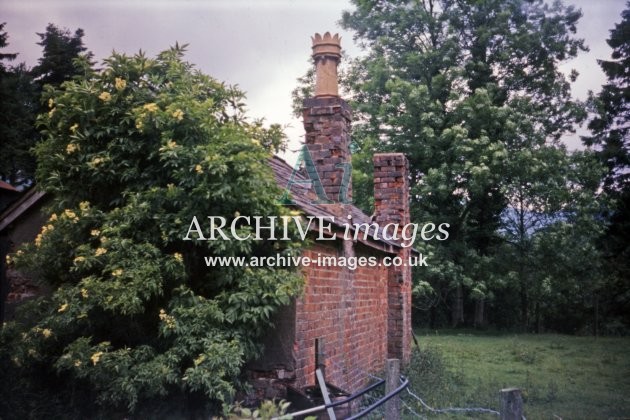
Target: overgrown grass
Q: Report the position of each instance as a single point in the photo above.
(564, 376)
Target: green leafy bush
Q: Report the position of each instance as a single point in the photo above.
(137, 323)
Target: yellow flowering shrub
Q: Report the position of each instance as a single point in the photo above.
(124, 176)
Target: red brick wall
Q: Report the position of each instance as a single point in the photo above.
(348, 310)
(391, 205)
(327, 127)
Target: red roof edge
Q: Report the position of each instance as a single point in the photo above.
(8, 187)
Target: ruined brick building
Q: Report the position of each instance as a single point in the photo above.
(347, 321)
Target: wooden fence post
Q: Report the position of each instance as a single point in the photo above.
(511, 404)
(392, 381)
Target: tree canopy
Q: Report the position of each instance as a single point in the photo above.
(4, 36)
(61, 48)
(610, 137)
(611, 124)
(17, 117)
(472, 93)
(64, 56)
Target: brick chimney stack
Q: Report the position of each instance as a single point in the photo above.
(391, 205)
(327, 120)
(391, 188)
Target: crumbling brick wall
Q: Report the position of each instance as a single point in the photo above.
(347, 309)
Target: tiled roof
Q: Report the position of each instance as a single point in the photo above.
(304, 198)
(302, 195)
(19, 207)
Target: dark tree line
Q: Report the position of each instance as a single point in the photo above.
(63, 57)
(610, 130)
(472, 92)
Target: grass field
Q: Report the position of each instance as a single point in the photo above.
(560, 376)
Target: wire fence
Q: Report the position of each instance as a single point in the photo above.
(370, 399)
(452, 409)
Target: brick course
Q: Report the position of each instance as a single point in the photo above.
(361, 316)
(348, 310)
(391, 205)
(327, 127)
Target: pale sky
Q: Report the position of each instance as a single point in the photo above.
(261, 45)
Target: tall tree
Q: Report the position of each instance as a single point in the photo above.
(610, 128)
(61, 48)
(611, 124)
(17, 118)
(18, 109)
(464, 88)
(64, 57)
(4, 36)
(550, 227)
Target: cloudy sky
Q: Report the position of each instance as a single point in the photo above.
(261, 45)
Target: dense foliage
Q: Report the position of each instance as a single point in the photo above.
(17, 117)
(137, 323)
(472, 93)
(60, 49)
(63, 57)
(610, 128)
